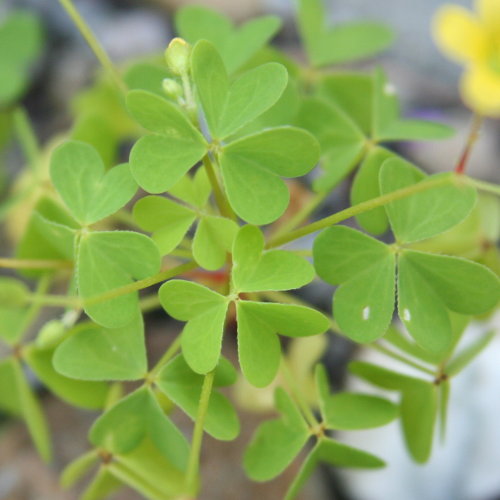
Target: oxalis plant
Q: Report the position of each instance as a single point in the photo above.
(203, 208)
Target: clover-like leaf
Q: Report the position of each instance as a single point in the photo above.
(366, 186)
(167, 220)
(180, 384)
(256, 270)
(122, 428)
(331, 452)
(97, 353)
(277, 442)
(428, 212)
(334, 45)
(430, 284)
(78, 174)
(213, 241)
(252, 167)
(258, 345)
(235, 45)
(388, 126)
(228, 107)
(342, 141)
(365, 268)
(80, 393)
(158, 161)
(108, 260)
(14, 295)
(349, 411)
(205, 313)
(419, 405)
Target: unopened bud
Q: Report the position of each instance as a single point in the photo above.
(172, 88)
(177, 56)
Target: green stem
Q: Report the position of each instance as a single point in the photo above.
(194, 455)
(293, 387)
(55, 300)
(488, 187)
(149, 303)
(403, 359)
(365, 206)
(41, 289)
(34, 264)
(93, 43)
(220, 198)
(172, 350)
(26, 137)
(297, 219)
(139, 285)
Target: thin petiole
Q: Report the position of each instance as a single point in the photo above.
(93, 43)
(26, 137)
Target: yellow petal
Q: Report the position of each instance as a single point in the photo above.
(460, 34)
(489, 14)
(480, 88)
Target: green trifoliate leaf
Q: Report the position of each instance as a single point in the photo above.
(286, 151)
(108, 260)
(49, 235)
(91, 395)
(180, 384)
(387, 126)
(366, 186)
(13, 292)
(338, 44)
(342, 142)
(167, 220)
(185, 300)
(421, 309)
(365, 269)
(333, 453)
(352, 93)
(259, 350)
(256, 271)
(350, 411)
(160, 160)
(205, 313)
(228, 107)
(258, 345)
(469, 354)
(464, 286)
(195, 190)
(213, 240)
(101, 486)
(277, 442)
(252, 166)
(97, 353)
(90, 194)
(287, 319)
(418, 405)
(235, 45)
(122, 428)
(426, 213)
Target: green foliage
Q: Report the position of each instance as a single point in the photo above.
(21, 39)
(216, 128)
(236, 45)
(339, 44)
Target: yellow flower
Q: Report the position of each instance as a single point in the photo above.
(474, 40)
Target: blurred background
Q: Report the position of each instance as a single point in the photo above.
(469, 469)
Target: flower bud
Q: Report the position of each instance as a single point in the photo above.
(172, 88)
(177, 56)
